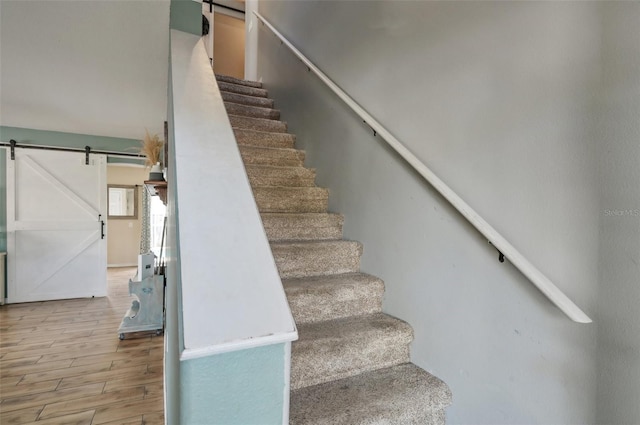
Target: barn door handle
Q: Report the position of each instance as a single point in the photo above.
(101, 226)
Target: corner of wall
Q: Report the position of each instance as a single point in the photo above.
(185, 16)
(3, 209)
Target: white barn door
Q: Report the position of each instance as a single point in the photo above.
(56, 240)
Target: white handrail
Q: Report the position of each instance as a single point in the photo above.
(555, 295)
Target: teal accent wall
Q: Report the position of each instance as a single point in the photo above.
(67, 140)
(117, 160)
(186, 15)
(241, 387)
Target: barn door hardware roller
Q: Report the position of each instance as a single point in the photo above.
(87, 151)
(13, 149)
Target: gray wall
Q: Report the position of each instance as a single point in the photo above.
(90, 67)
(619, 154)
(501, 100)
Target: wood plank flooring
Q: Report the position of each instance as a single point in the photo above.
(61, 362)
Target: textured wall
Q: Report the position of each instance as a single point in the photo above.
(186, 15)
(501, 101)
(92, 67)
(123, 235)
(240, 387)
(228, 49)
(619, 153)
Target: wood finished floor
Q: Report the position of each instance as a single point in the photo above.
(61, 362)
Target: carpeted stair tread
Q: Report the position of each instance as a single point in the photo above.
(302, 227)
(336, 349)
(256, 155)
(321, 298)
(291, 199)
(264, 139)
(247, 100)
(233, 80)
(268, 175)
(242, 89)
(302, 259)
(252, 111)
(259, 124)
(402, 394)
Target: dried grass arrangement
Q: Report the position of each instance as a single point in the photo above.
(151, 147)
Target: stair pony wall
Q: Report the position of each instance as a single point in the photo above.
(228, 326)
(505, 353)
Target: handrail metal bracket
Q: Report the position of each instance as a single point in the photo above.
(500, 254)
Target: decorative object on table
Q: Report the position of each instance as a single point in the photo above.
(151, 148)
(156, 173)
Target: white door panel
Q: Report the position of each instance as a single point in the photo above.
(56, 205)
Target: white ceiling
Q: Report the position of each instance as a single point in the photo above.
(91, 67)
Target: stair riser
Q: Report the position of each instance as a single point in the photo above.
(252, 111)
(247, 100)
(300, 260)
(332, 355)
(280, 176)
(307, 369)
(304, 233)
(312, 302)
(302, 227)
(263, 139)
(272, 157)
(302, 200)
(240, 89)
(402, 394)
(258, 124)
(232, 80)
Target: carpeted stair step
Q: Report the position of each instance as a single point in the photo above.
(242, 89)
(303, 259)
(264, 139)
(291, 199)
(259, 124)
(337, 349)
(320, 298)
(256, 155)
(252, 111)
(233, 80)
(302, 227)
(402, 394)
(247, 100)
(266, 175)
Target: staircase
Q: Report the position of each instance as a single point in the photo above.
(351, 363)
